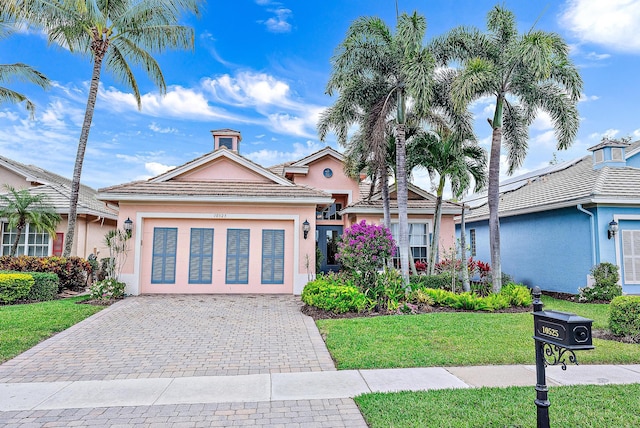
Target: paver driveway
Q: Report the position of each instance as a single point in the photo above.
(178, 336)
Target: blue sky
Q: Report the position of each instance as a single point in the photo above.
(261, 66)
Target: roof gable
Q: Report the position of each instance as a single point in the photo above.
(327, 151)
(221, 165)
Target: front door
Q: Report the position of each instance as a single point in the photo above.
(327, 242)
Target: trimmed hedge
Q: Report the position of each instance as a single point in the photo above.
(72, 271)
(331, 296)
(14, 286)
(441, 281)
(45, 285)
(624, 316)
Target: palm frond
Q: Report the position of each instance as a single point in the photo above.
(515, 135)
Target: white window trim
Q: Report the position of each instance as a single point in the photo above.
(25, 232)
(618, 218)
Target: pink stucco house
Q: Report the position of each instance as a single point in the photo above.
(224, 224)
(94, 220)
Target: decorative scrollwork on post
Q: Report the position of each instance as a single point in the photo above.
(554, 355)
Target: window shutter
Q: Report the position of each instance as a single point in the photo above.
(631, 256)
(163, 263)
(201, 256)
(237, 256)
(272, 256)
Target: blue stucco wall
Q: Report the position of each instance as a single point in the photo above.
(550, 249)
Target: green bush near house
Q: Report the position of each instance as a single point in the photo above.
(14, 286)
(45, 286)
(510, 295)
(328, 293)
(72, 271)
(606, 286)
(624, 316)
(441, 280)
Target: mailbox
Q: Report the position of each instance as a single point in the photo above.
(563, 329)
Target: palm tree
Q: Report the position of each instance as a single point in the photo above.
(452, 157)
(526, 73)
(20, 207)
(18, 71)
(119, 33)
(404, 68)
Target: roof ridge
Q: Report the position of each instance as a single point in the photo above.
(600, 180)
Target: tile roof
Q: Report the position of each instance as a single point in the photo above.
(209, 190)
(58, 190)
(576, 183)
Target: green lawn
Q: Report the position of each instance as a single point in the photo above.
(24, 326)
(458, 339)
(571, 406)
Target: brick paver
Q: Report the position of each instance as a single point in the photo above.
(179, 336)
(333, 413)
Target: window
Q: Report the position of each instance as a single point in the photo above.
(225, 142)
(631, 256)
(237, 256)
(330, 213)
(201, 256)
(472, 242)
(37, 243)
(599, 155)
(418, 240)
(273, 256)
(163, 264)
(616, 154)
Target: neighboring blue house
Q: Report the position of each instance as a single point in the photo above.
(558, 222)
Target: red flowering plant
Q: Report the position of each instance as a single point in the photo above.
(363, 250)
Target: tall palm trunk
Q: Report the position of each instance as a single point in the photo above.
(435, 238)
(463, 253)
(493, 196)
(402, 195)
(100, 49)
(14, 247)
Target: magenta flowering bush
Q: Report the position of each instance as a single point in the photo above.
(365, 247)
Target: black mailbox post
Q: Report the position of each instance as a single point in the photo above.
(557, 335)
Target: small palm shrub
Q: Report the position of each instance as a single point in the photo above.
(624, 316)
(107, 289)
(517, 294)
(328, 292)
(14, 286)
(606, 285)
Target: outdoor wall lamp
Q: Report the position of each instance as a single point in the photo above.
(613, 229)
(305, 228)
(128, 226)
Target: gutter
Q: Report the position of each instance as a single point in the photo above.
(593, 234)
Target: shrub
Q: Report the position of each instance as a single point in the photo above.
(329, 294)
(606, 285)
(624, 316)
(107, 289)
(72, 271)
(14, 286)
(440, 280)
(420, 296)
(363, 249)
(468, 301)
(388, 292)
(45, 286)
(517, 294)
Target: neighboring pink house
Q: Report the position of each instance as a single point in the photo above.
(224, 224)
(94, 219)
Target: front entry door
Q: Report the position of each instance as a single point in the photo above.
(327, 242)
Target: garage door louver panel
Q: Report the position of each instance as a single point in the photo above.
(237, 256)
(163, 265)
(201, 256)
(272, 256)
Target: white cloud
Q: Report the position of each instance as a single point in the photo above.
(636, 133)
(156, 168)
(278, 23)
(274, 157)
(611, 23)
(154, 127)
(542, 121)
(9, 115)
(597, 57)
(609, 133)
(250, 89)
(585, 98)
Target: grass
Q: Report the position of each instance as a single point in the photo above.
(458, 339)
(571, 406)
(24, 326)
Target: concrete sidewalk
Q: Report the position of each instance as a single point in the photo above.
(283, 387)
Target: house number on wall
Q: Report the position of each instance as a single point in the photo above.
(218, 215)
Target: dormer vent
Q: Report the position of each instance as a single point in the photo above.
(609, 153)
(226, 138)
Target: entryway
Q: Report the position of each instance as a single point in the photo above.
(327, 242)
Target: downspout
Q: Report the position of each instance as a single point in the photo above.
(593, 235)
